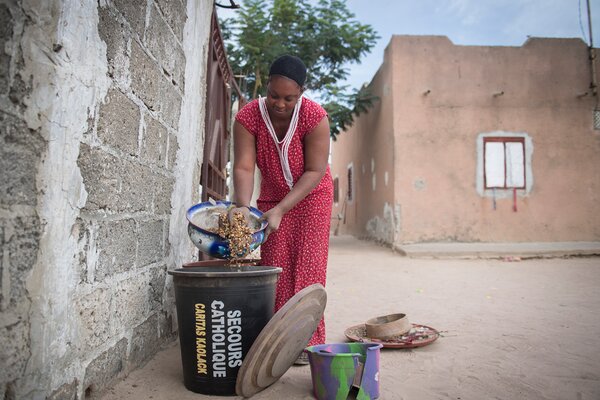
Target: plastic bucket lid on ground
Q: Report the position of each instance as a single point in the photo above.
(282, 340)
(220, 313)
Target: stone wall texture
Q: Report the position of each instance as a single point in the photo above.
(100, 146)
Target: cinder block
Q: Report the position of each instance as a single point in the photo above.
(8, 391)
(105, 369)
(130, 304)
(146, 77)
(163, 45)
(20, 156)
(6, 32)
(116, 241)
(154, 142)
(163, 188)
(95, 318)
(116, 38)
(19, 168)
(154, 88)
(114, 184)
(172, 154)
(81, 232)
(20, 244)
(19, 90)
(3, 295)
(102, 177)
(156, 286)
(14, 346)
(15, 131)
(150, 242)
(175, 14)
(170, 104)
(167, 329)
(6, 24)
(67, 391)
(144, 342)
(118, 122)
(168, 319)
(134, 12)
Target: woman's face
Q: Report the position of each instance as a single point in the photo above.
(282, 96)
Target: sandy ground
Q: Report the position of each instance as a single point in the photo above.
(511, 330)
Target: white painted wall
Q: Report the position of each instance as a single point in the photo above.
(191, 121)
(66, 88)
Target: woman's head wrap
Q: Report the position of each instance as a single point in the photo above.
(291, 67)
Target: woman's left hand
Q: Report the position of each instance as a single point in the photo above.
(273, 217)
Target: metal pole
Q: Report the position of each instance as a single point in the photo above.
(593, 85)
(590, 23)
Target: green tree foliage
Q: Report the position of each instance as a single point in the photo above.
(323, 34)
(342, 107)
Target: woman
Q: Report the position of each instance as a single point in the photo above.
(287, 136)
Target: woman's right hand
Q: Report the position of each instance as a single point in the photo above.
(245, 211)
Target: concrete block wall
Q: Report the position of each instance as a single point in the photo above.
(102, 117)
(21, 148)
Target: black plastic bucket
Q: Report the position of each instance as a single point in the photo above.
(220, 312)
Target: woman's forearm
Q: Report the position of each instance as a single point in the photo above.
(243, 186)
(307, 182)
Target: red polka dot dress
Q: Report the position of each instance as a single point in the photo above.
(301, 244)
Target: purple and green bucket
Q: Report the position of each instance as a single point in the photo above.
(337, 368)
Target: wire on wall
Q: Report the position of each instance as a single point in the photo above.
(593, 84)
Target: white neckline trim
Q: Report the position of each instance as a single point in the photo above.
(283, 145)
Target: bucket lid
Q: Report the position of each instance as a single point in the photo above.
(222, 271)
(281, 341)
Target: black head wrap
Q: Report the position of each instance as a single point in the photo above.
(291, 67)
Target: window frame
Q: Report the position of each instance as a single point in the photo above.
(504, 140)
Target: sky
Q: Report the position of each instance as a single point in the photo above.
(468, 22)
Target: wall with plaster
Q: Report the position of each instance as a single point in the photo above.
(369, 147)
(446, 98)
(102, 111)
